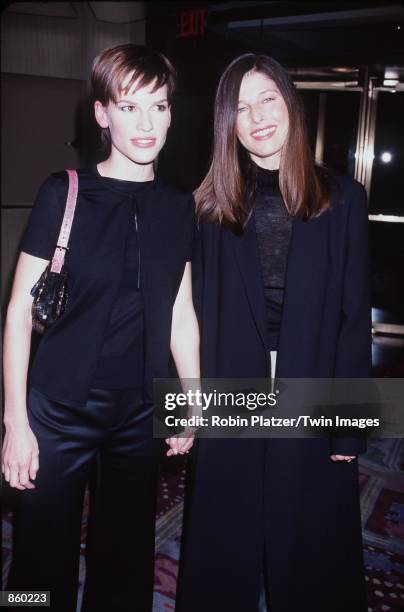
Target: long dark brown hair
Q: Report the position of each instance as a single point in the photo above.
(226, 195)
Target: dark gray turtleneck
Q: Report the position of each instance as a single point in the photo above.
(274, 228)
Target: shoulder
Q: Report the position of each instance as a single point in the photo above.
(55, 182)
(179, 200)
(349, 214)
(60, 179)
(51, 194)
(88, 184)
(345, 186)
(348, 196)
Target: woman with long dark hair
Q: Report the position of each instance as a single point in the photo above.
(284, 292)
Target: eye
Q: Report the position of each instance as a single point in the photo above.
(268, 99)
(241, 109)
(129, 108)
(161, 107)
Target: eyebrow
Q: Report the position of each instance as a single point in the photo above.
(264, 91)
(132, 102)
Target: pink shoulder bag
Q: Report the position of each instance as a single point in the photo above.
(50, 291)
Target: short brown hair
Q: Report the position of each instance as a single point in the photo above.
(227, 193)
(113, 65)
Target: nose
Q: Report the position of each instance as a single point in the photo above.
(144, 122)
(256, 115)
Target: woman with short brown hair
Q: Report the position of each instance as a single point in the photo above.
(89, 401)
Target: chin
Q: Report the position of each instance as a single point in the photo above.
(266, 150)
(144, 159)
(263, 153)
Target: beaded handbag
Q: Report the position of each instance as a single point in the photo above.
(50, 291)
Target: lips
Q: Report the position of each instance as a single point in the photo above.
(143, 143)
(264, 133)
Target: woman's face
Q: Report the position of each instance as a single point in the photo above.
(262, 119)
(138, 123)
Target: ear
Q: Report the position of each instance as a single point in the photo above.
(100, 113)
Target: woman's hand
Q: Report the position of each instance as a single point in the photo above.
(20, 457)
(347, 458)
(180, 446)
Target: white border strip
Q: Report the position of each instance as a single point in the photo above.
(386, 218)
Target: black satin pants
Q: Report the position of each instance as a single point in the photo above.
(112, 432)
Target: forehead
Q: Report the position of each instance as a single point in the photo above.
(253, 83)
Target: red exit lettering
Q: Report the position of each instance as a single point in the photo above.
(192, 23)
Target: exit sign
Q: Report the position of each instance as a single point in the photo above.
(192, 23)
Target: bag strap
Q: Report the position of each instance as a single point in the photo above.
(58, 258)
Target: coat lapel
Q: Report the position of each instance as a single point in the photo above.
(249, 264)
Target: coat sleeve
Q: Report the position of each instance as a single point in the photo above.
(354, 356)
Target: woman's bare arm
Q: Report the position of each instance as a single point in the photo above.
(20, 449)
(185, 346)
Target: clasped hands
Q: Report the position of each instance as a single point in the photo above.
(181, 445)
(347, 458)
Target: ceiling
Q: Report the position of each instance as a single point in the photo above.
(325, 36)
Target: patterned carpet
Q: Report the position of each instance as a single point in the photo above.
(382, 500)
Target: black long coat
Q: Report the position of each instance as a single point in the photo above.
(280, 509)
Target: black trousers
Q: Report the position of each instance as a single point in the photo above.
(113, 430)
